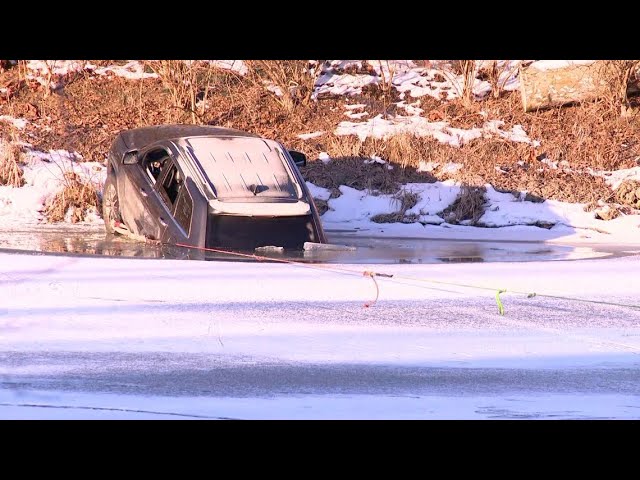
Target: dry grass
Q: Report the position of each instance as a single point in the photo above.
(521, 170)
(190, 84)
(405, 200)
(520, 164)
(345, 146)
(295, 80)
(608, 213)
(395, 217)
(77, 196)
(404, 150)
(181, 80)
(617, 74)
(10, 160)
(321, 205)
(590, 136)
(353, 172)
(497, 73)
(92, 110)
(468, 206)
(628, 193)
(91, 113)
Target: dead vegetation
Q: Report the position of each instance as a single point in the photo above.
(405, 200)
(498, 73)
(467, 69)
(628, 193)
(190, 85)
(291, 81)
(85, 114)
(617, 74)
(468, 207)
(352, 171)
(321, 205)
(74, 201)
(10, 161)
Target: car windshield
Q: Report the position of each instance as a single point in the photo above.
(244, 167)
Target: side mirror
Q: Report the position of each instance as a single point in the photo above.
(130, 158)
(299, 158)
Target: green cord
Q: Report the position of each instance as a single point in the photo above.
(499, 302)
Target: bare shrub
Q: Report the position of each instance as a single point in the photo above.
(498, 73)
(321, 205)
(23, 69)
(405, 199)
(388, 94)
(468, 206)
(295, 80)
(54, 82)
(469, 76)
(616, 75)
(607, 212)
(188, 83)
(628, 193)
(387, 72)
(10, 160)
(395, 217)
(5, 65)
(77, 195)
(467, 69)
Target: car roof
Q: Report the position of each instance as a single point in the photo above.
(138, 138)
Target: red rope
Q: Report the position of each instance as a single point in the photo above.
(281, 260)
(299, 264)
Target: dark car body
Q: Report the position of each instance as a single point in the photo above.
(210, 187)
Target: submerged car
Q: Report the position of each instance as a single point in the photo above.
(210, 187)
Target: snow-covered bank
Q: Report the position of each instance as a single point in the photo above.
(506, 217)
(44, 176)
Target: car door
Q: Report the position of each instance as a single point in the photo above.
(143, 209)
(177, 204)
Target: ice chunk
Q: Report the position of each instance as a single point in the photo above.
(311, 246)
(270, 248)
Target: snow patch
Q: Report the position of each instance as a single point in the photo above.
(18, 123)
(318, 192)
(324, 157)
(307, 136)
(543, 65)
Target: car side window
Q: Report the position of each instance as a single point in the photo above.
(184, 210)
(171, 182)
(174, 195)
(153, 162)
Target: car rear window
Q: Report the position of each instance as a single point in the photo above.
(244, 168)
